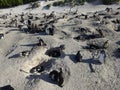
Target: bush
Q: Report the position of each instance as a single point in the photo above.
(27, 1)
(109, 1)
(90, 0)
(75, 2)
(59, 3)
(10, 3)
(81, 2)
(71, 2)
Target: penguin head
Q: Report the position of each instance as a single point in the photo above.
(60, 69)
(62, 47)
(107, 41)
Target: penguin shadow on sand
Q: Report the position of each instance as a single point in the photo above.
(14, 56)
(30, 45)
(21, 54)
(72, 57)
(90, 61)
(33, 79)
(75, 57)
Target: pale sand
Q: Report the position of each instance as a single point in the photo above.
(106, 76)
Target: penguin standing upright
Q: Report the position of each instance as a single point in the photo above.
(1, 35)
(78, 56)
(102, 57)
(16, 22)
(60, 78)
(41, 42)
(101, 33)
(29, 22)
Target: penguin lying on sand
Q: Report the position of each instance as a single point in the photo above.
(7, 87)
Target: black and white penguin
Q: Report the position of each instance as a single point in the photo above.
(102, 56)
(78, 56)
(1, 35)
(29, 22)
(39, 69)
(41, 42)
(101, 33)
(60, 78)
(54, 75)
(25, 53)
(57, 77)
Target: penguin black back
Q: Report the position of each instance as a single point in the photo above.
(7, 87)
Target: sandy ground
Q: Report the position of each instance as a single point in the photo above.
(105, 77)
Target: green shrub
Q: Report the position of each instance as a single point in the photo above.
(10, 3)
(59, 3)
(109, 1)
(90, 0)
(73, 2)
(81, 2)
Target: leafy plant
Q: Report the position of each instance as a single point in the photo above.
(109, 1)
(59, 3)
(10, 3)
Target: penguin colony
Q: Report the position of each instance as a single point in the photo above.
(47, 27)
